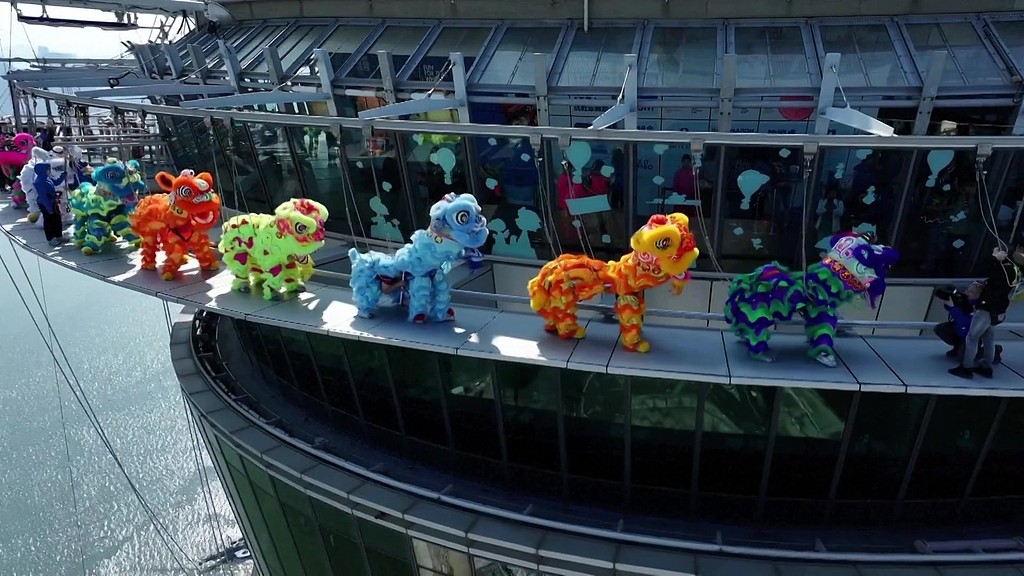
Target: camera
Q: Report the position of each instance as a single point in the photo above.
(944, 293)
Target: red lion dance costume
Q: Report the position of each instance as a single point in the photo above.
(663, 251)
(178, 222)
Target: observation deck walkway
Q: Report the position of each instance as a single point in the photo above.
(914, 365)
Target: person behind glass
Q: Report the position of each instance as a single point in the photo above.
(684, 182)
(48, 202)
(989, 311)
(960, 307)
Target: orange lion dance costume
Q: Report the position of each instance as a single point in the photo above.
(663, 251)
(178, 222)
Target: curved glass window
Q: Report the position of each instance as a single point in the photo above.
(468, 41)
(969, 63)
(401, 41)
(343, 42)
(512, 61)
(682, 58)
(869, 58)
(597, 57)
(771, 56)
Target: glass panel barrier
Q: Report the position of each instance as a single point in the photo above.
(944, 224)
(670, 179)
(512, 61)
(589, 192)
(855, 189)
(322, 176)
(682, 58)
(762, 211)
(368, 366)
(436, 164)
(1007, 212)
(508, 189)
(275, 162)
(301, 36)
(381, 208)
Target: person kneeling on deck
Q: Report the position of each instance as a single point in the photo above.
(953, 331)
(989, 311)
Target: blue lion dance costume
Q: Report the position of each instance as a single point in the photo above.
(758, 301)
(415, 274)
(101, 208)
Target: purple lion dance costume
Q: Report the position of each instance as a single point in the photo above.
(758, 301)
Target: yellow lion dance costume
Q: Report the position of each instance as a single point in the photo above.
(663, 251)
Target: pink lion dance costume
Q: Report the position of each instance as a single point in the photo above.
(14, 154)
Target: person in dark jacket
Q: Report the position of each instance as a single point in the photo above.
(48, 201)
(954, 331)
(989, 311)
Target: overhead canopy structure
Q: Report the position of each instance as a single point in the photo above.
(211, 10)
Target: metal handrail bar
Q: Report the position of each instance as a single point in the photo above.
(683, 314)
(637, 136)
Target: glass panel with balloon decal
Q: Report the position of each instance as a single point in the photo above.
(508, 188)
(588, 186)
(944, 226)
(378, 190)
(855, 189)
(763, 207)
(436, 165)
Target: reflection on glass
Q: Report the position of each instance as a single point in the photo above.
(386, 549)
(272, 341)
(284, 47)
(943, 223)
(669, 178)
(763, 214)
(682, 57)
(956, 432)
(882, 439)
(597, 57)
(1003, 467)
(265, 548)
(341, 539)
(401, 41)
(470, 397)
(594, 406)
(333, 371)
(485, 567)
(378, 191)
(869, 58)
(274, 160)
(529, 395)
(281, 537)
(241, 164)
(435, 560)
(771, 56)
(252, 47)
(303, 526)
(736, 421)
(969, 62)
(322, 177)
(589, 186)
(436, 164)
(663, 419)
(512, 61)
(1008, 211)
(809, 437)
(368, 366)
(343, 42)
(296, 350)
(415, 375)
(468, 41)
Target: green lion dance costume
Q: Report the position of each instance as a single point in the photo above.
(273, 250)
(101, 211)
(772, 293)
